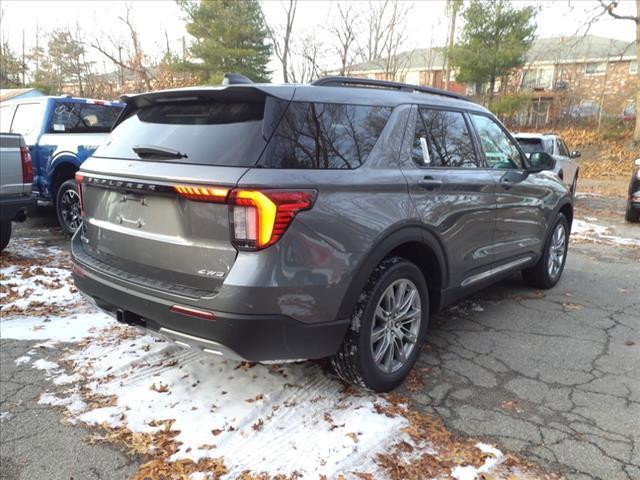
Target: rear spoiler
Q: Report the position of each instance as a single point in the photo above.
(229, 93)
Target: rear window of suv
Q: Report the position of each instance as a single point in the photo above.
(295, 134)
(75, 117)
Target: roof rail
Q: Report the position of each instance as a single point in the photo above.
(339, 81)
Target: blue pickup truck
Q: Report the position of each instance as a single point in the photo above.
(61, 132)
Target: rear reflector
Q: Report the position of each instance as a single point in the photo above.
(203, 193)
(77, 270)
(27, 165)
(192, 312)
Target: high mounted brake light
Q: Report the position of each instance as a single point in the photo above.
(27, 165)
(260, 217)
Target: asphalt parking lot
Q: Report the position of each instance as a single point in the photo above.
(551, 376)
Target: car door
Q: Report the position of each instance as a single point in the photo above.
(453, 196)
(520, 222)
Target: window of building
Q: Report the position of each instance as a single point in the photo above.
(633, 67)
(595, 68)
(536, 78)
(499, 150)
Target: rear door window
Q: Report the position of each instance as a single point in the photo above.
(448, 139)
(325, 136)
(27, 119)
(562, 148)
(74, 117)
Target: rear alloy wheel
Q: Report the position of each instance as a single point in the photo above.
(68, 207)
(389, 323)
(5, 234)
(547, 272)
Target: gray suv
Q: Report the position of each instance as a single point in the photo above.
(285, 222)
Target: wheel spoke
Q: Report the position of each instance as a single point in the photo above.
(376, 335)
(382, 349)
(388, 359)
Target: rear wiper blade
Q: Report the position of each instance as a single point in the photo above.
(157, 153)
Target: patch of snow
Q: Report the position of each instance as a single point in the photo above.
(4, 416)
(22, 360)
(42, 364)
(472, 473)
(73, 403)
(60, 329)
(584, 230)
(65, 379)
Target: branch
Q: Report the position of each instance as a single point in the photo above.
(609, 7)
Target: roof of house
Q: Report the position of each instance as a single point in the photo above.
(544, 50)
(9, 93)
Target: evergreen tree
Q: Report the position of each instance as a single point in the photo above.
(10, 67)
(495, 39)
(230, 36)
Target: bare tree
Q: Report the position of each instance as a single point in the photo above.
(393, 63)
(135, 62)
(453, 7)
(305, 56)
(345, 30)
(281, 38)
(610, 7)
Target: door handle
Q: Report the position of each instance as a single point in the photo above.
(430, 183)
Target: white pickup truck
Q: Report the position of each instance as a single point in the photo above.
(16, 180)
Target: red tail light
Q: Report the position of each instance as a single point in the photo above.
(203, 193)
(260, 217)
(79, 180)
(27, 165)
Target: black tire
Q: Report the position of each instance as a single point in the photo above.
(5, 234)
(539, 276)
(68, 207)
(631, 215)
(354, 362)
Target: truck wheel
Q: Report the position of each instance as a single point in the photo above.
(388, 325)
(5, 234)
(68, 207)
(547, 272)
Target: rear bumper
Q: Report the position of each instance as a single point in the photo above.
(16, 208)
(239, 336)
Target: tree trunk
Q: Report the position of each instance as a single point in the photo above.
(452, 31)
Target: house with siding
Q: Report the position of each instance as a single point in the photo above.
(579, 77)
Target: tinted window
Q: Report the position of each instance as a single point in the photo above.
(325, 135)
(208, 132)
(5, 118)
(448, 139)
(499, 150)
(27, 119)
(72, 117)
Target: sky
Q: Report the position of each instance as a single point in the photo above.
(427, 24)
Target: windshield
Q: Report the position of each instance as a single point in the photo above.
(74, 117)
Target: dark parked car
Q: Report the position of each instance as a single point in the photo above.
(283, 222)
(633, 203)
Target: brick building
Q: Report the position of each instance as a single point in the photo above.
(583, 78)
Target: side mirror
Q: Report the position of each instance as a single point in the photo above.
(574, 154)
(539, 161)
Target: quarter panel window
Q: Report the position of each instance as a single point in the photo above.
(325, 136)
(499, 150)
(448, 139)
